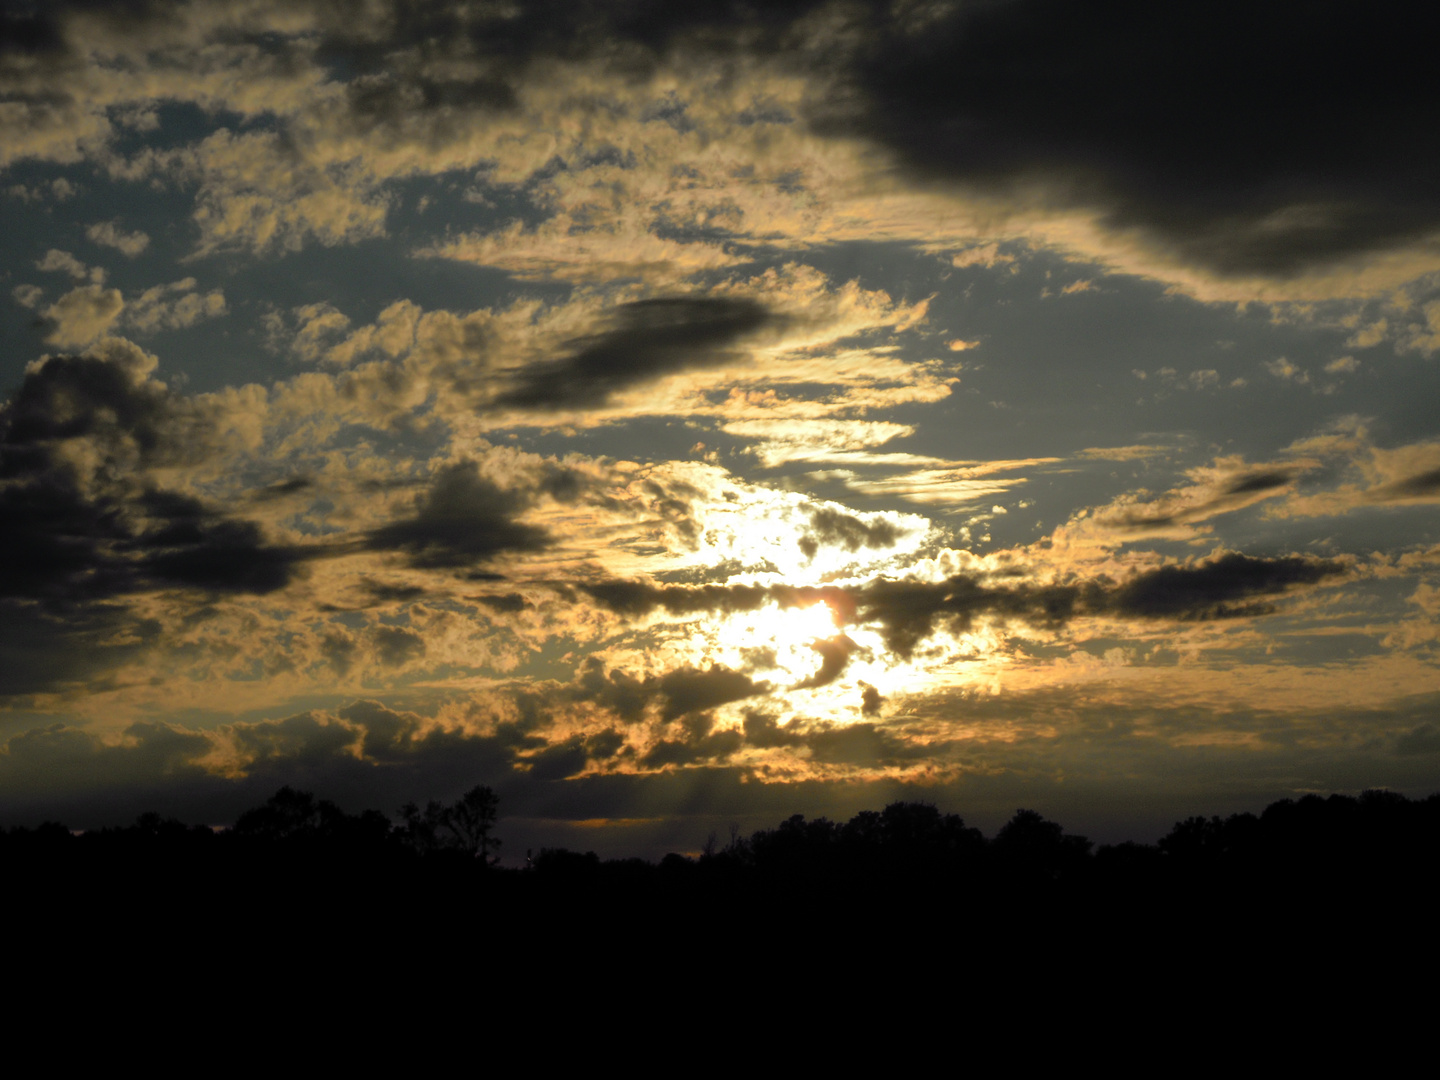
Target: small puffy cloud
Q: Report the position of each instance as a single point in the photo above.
(173, 307)
(1284, 369)
(318, 325)
(57, 190)
(259, 192)
(109, 234)
(28, 295)
(1369, 335)
(82, 315)
(56, 261)
(1423, 336)
(1123, 453)
(986, 255)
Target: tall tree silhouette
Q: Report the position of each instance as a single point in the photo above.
(463, 826)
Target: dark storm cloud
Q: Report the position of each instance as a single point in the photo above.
(27, 33)
(387, 593)
(698, 741)
(838, 529)
(396, 645)
(678, 693)
(1261, 481)
(1418, 486)
(75, 536)
(504, 604)
(192, 546)
(764, 732)
(834, 656)
(1245, 138)
(500, 42)
(863, 743)
(62, 543)
(49, 644)
(1230, 493)
(636, 598)
(870, 700)
(67, 773)
(1213, 589)
(1248, 138)
(906, 613)
(75, 397)
(85, 525)
(651, 338)
(464, 518)
(689, 690)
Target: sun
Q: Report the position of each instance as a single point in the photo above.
(776, 641)
(818, 666)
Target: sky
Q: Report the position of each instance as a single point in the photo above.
(680, 416)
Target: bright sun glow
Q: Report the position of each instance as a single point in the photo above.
(780, 641)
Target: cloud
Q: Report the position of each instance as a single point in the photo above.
(959, 484)
(1218, 588)
(57, 261)
(87, 521)
(832, 527)
(1227, 486)
(1407, 475)
(82, 315)
(263, 193)
(1098, 108)
(798, 439)
(397, 645)
(689, 691)
(54, 644)
(463, 519)
(173, 307)
(108, 234)
(907, 612)
(624, 126)
(834, 656)
(651, 338)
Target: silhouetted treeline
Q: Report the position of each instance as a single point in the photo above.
(1313, 841)
(299, 881)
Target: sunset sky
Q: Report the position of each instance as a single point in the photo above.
(683, 414)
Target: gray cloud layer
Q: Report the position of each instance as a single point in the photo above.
(651, 338)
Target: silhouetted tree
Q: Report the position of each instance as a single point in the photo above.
(1030, 845)
(286, 815)
(423, 829)
(471, 820)
(463, 826)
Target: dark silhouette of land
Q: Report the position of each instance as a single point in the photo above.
(1339, 849)
(1324, 888)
